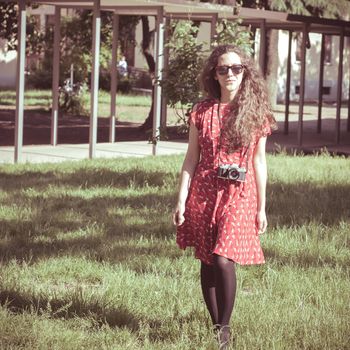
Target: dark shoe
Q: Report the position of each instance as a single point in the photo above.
(224, 336)
(216, 329)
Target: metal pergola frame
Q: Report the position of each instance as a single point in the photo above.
(164, 11)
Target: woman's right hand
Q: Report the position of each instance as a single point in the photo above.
(178, 215)
(187, 171)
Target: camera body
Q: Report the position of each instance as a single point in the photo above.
(231, 172)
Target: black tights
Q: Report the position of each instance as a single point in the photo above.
(219, 289)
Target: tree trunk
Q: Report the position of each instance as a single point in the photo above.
(146, 50)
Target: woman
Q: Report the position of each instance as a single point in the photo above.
(221, 203)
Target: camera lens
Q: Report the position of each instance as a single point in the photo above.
(234, 174)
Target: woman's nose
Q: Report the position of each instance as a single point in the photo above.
(230, 72)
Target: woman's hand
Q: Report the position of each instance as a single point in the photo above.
(178, 215)
(188, 169)
(261, 221)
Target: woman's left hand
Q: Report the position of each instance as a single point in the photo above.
(261, 221)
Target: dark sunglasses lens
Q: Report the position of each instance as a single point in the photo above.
(223, 70)
(237, 69)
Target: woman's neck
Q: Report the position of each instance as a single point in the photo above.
(227, 96)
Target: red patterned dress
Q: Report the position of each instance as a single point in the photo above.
(220, 214)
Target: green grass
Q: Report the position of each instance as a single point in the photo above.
(131, 108)
(89, 261)
(43, 97)
(40, 98)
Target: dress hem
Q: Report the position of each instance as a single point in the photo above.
(206, 261)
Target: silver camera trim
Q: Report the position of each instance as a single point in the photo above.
(230, 167)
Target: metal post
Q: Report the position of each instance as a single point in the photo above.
(214, 20)
(72, 75)
(287, 98)
(21, 52)
(262, 49)
(158, 76)
(339, 87)
(348, 127)
(55, 75)
(302, 85)
(113, 78)
(96, 29)
(163, 120)
(320, 86)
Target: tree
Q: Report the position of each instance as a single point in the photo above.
(9, 28)
(339, 9)
(76, 34)
(180, 85)
(147, 53)
(8, 24)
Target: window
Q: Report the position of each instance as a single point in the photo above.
(299, 43)
(327, 48)
(326, 90)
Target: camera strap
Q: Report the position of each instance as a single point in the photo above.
(245, 152)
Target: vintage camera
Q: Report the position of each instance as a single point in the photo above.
(231, 172)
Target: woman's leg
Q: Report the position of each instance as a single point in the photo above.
(225, 283)
(208, 289)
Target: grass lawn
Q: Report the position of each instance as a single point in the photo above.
(89, 261)
(130, 108)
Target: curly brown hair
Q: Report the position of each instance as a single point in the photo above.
(250, 109)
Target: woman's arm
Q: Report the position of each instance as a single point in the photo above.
(187, 171)
(260, 169)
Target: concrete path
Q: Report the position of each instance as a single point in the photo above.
(312, 142)
(60, 153)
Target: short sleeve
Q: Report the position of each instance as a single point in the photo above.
(266, 130)
(195, 117)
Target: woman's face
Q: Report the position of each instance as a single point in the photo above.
(229, 73)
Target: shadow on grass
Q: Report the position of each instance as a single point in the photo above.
(74, 306)
(300, 204)
(47, 228)
(99, 249)
(85, 178)
(288, 205)
(305, 259)
(94, 229)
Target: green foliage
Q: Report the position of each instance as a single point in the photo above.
(77, 44)
(72, 99)
(318, 8)
(180, 81)
(232, 32)
(8, 23)
(35, 40)
(339, 9)
(76, 41)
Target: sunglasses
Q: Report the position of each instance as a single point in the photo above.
(236, 69)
